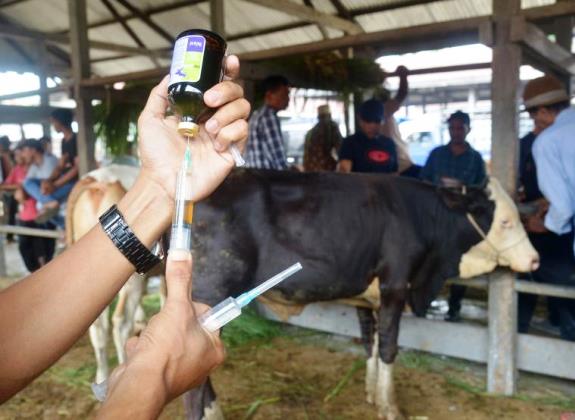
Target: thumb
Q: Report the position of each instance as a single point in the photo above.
(179, 275)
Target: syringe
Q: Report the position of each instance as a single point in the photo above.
(181, 233)
(238, 159)
(231, 308)
(224, 312)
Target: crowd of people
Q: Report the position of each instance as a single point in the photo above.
(546, 170)
(36, 184)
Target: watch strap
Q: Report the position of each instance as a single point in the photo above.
(115, 226)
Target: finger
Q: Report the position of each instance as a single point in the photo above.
(223, 93)
(227, 114)
(231, 133)
(157, 101)
(231, 67)
(179, 275)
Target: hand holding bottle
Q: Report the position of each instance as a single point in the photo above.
(162, 148)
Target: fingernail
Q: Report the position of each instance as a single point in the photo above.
(212, 96)
(212, 125)
(179, 255)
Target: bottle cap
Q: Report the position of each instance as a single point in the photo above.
(188, 128)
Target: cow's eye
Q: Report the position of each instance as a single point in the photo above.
(506, 223)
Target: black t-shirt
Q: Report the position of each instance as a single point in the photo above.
(369, 155)
(69, 153)
(527, 169)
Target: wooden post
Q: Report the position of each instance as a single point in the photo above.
(217, 21)
(501, 366)
(563, 30)
(81, 70)
(44, 95)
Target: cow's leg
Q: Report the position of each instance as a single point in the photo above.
(200, 403)
(369, 340)
(99, 339)
(392, 303)
(124, 314)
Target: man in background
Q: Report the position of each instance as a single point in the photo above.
(52, 191)
(322, 143)
(265, 147)
(368, 150)
(550, 227)
(454, 165)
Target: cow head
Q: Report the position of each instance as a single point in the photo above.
(505, 243)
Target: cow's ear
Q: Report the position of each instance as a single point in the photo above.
(454, 198)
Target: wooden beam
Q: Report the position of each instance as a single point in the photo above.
(566, 8)
(321, 28)
(390, 6)
(341, 9)
(303, 12)
(502, 330)
(80, 71)
(535, 40)
(148, 21)
(13, 114)
(129, 30)
(11, 3)
(449, 28)
(8, 31)
(217, 17)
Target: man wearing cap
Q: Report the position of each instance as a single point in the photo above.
(551, 227)
(454, 165)
(368, 150)
(322, 143)
(265, 147)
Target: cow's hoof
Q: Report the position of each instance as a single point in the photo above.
(370, 398)
(389, 413)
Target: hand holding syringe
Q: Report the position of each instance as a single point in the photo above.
(224, 312)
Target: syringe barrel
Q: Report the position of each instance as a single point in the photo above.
(220, 315)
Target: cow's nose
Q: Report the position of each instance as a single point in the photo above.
(534, 263)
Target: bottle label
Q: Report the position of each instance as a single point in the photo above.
(187, 59)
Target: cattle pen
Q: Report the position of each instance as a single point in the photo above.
(88, 63)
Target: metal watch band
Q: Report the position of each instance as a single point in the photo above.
(126, 241)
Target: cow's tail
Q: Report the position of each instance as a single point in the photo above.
(81, 186)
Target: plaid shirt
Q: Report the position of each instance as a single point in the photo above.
(468, 168)
(265, 148)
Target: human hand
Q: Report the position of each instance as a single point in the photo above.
(47, 187)
(20, 195)
(174, 353)
(535, 224)
(402, 71)
(162, 148)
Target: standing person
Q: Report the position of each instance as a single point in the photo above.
(551, 227)
(35, 251)
(265, 148)
(9, 204)
(368, 150)
(6, 157)
(322, 143)
(453, 165)
(53, 191)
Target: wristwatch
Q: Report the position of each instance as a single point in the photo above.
(126, 241)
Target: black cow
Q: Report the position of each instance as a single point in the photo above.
(346, 230)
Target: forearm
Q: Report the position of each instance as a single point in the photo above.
(68, 176)
(31, 340)
(402, 90)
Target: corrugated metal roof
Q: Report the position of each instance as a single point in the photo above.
(241, 17)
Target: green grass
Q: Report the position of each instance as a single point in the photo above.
(151, 305)
(250, 327)
(415, 360)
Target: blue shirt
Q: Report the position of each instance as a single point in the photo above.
(265, 147)
(554, 154)
(468, 167)
(369, 155)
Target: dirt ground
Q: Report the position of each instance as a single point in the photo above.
(289, 377)
(278, 372)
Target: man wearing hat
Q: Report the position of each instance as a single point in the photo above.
(322, 143)
(368, 150)
(551, 227)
